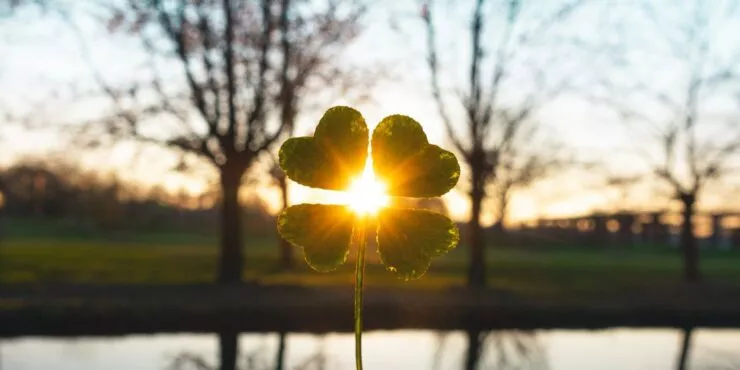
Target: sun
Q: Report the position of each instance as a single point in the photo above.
(366, 195)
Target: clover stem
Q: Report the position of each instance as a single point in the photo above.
(359, 274)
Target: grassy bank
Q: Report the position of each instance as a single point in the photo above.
(69, 287)
(541, 273)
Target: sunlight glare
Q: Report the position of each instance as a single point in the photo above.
(366, 195)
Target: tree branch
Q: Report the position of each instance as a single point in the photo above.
(257, 112)
(231, 92)
(433, 63)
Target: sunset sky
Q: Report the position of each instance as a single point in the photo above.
(42, 58)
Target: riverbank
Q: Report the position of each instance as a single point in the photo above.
(52, 310)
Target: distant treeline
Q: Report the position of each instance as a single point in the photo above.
(87, 200)
(47, 197)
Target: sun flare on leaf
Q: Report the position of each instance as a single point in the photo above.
(366, 195)
(332, 159)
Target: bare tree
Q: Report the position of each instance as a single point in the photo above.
(505, 87)
(225, 81)
(307, 54)
(522, 165)
(676, 88)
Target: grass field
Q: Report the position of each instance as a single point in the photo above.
(539, 273)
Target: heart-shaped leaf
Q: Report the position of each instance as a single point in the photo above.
(323, 231)
(333, 157)
(409, 238)
(405, 161)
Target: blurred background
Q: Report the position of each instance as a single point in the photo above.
(599, 201)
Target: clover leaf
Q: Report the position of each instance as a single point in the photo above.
(407, 163)
(402, 158)
(333, 156)
(409, 238)
(324, 232)
(404, 161)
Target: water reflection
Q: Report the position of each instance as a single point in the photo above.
(685, 348)
(694, 349)
(511, 350)
(253, 359)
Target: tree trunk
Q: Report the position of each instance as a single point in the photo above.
(688, 239)
(498, 228)
(286, 249)
(228, 346)
(683, 356)
(477, 268)
(231, 259)
(503, 206)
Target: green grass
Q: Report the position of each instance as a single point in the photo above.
(551, 272)
(36, 229)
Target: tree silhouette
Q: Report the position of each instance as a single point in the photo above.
(235, 72)
(307, 54)
(521, 166)
(504, 89)
(676, 91)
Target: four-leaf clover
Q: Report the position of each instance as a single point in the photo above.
(402, 159)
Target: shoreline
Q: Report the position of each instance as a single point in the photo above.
(88, 310)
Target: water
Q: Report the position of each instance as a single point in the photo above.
(648, 349)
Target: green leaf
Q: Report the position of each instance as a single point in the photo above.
(409, 238)
(323, 231)
(333, 157)
(405, 161)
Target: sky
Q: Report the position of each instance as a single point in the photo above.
(44, 57)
